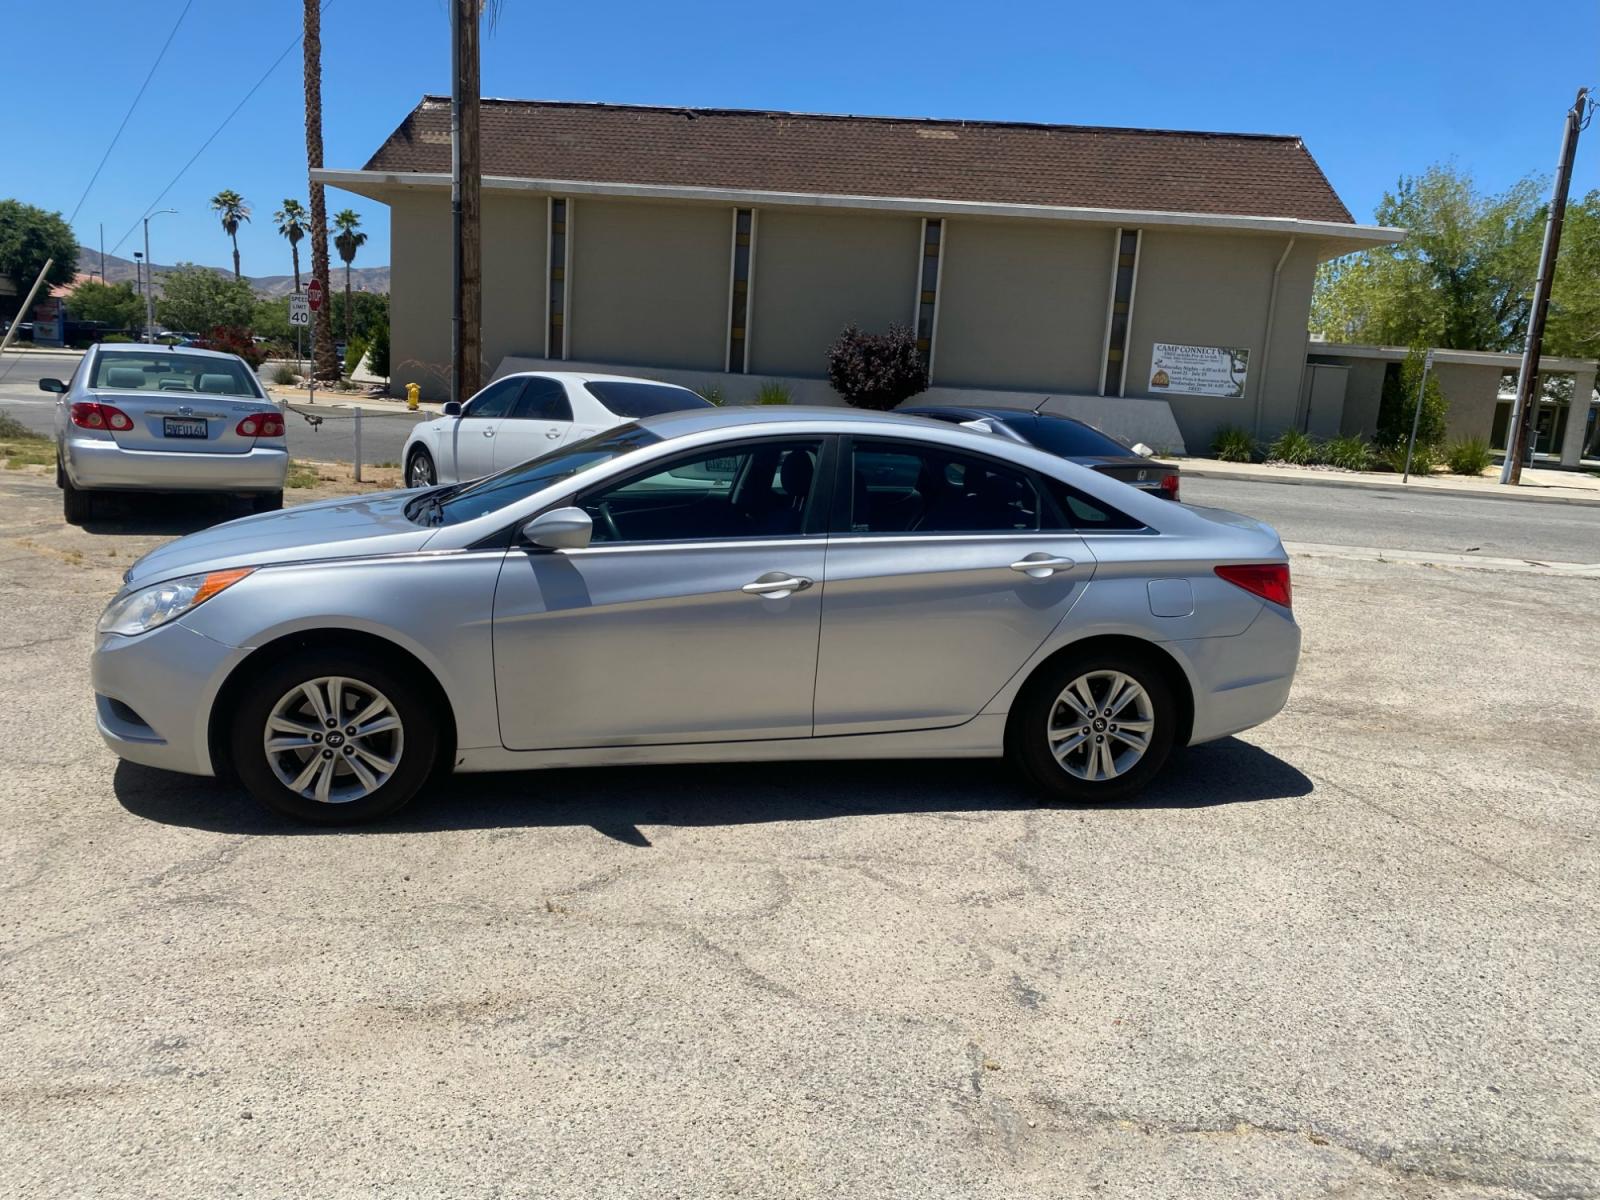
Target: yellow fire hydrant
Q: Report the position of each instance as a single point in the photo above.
(413, 394)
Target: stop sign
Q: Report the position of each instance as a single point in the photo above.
(314, 294)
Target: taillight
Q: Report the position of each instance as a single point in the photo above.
(1169, 486)
(1270, 581)
(88, 414)
(260, 425)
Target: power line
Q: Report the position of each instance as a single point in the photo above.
(127, 115)
(254, 88)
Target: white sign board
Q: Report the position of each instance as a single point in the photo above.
(1198, 370)
(299, 310)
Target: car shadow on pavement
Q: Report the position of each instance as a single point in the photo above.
(617, 801)
(160, 515)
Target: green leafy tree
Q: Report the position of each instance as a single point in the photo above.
(1463, 277)
(348, 240)
(1398, 401)
(232, 210)
(198, 299)
(378, 347)
(367, 311)
(293, 221)
(271, 320)
(115, 305)
(31, 236)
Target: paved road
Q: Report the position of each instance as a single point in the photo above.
(1301, 513)
(1349, 953)
(382, 434)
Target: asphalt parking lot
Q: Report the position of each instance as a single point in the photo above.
(1352, 952)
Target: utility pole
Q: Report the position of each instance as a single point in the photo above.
(466, 178)
(150, 291)
(102, 251)
(138, 272)
(1527, 401)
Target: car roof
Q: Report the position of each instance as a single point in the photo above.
(591, 377)
(823, 418)
(145, 348)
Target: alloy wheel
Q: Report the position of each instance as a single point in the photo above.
(1100, 725)
(419, 472)
(333, 739)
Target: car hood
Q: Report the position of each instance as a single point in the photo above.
(350, 527)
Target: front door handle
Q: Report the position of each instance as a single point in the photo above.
(1041, 565)
(552, 433)
(488, 433)
(775, 585)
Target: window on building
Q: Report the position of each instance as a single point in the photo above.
(558, 279)
(1121, 310)
(928, 286)
(739, 310)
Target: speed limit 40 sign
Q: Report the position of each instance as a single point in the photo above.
(299, 310)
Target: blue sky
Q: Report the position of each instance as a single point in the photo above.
(1376, 90)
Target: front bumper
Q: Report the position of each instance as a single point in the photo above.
(101, 464)
(1244, 680)
(154, 694)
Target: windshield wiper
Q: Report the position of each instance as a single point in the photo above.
(429, 507)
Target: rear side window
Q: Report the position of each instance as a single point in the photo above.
(1068, 439)
(543, 400)
(901, 487)
(1083, 512)
(635, 400)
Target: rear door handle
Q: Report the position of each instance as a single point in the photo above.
(1042, 565)
(775, 585)
(552, 433)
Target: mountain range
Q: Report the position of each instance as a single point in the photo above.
(362, 279)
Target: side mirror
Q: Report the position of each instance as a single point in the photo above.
(52, 385)
(452, 408)
(1143, 451)
(559, 529)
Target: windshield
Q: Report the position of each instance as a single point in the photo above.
(493, 492)
(173, 371)
(635, 400)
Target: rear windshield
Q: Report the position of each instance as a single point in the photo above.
(636, 400)
(1068, 439)
(173, 371)
(524, 479)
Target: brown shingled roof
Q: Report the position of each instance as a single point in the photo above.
(1075, 166)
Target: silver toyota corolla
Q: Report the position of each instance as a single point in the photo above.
(727, 584)
(152, 419)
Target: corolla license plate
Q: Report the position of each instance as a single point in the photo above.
(179, 427)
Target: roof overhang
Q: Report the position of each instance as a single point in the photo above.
(1340, 238)
(1462, 358)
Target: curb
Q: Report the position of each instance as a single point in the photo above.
(1377, 486)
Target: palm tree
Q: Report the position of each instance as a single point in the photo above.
(327, 365)
(348, 240)
(293, 221)
(230, 206)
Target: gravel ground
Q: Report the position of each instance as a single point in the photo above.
(1352, 952)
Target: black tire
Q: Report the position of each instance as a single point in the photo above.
(61, 473)
(264, 502)
(419, 744)
(77, 506)
(1038, 708)
(420, 471)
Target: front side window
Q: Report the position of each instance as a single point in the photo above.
(543, 400)
(635, 400)
(454, 505)
(496, 400)
(900, 487)
(169, 371)
(752, 491)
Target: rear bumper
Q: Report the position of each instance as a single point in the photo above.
(101, 463)
(1244, 680)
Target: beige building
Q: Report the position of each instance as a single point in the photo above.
(1156, 282)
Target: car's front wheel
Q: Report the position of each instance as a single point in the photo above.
(1094, 727)
(420, 471)
(334, 737)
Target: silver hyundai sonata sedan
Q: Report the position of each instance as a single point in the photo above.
(710, 585)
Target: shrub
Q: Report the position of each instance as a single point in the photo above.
(1398, 401)
(1348, 454)
(378, 349)
(232, 339)
(1468, 457)
(1423, 459)
(712, 393)
(1293, 447)
(13, 430)
(354, 352)
(876, 370)
(283, 373)
(116, 339)
(774, 393)
(1232, 444)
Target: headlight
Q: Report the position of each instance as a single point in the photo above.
(141, 611)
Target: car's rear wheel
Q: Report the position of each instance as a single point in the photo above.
(333, 737)
(1094, 727)
(77, 506)
(420, 471)
(263, 502)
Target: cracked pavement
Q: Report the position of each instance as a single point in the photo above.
(1351, 953)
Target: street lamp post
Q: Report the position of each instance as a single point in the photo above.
(150, 289)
